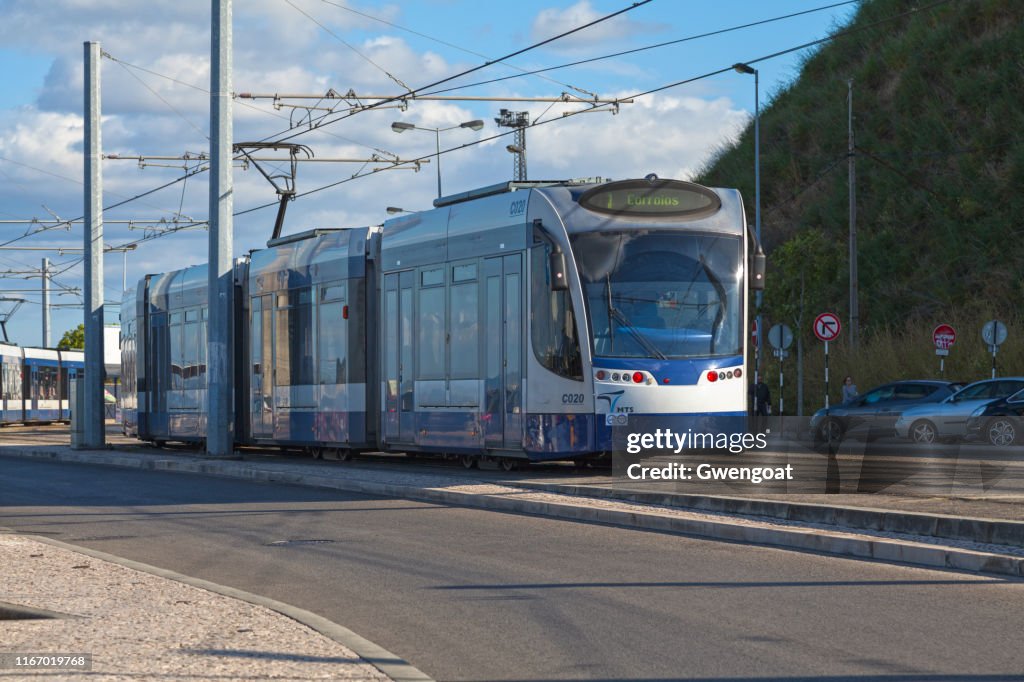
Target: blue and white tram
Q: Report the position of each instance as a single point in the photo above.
(34, 383)
(518, 321)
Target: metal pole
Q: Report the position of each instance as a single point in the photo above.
(437, 142)
(46, 303)
(782, 357)
(826, 375)
(854, 284)
(92, 410)
(757, 205)
(124, 272)
(220, 427)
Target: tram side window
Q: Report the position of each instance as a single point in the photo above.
(11, 381)
(177, 353)
(190, 346)
(555, 341)
(48, 383)
(464, 349)
(294, 338)
(431, 341)
(332, 336)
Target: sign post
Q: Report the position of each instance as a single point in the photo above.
(943, 336)
(993, 333)
(754, 334)
(827, 328)
(780, 337)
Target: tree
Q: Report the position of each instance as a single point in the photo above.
(73, 339)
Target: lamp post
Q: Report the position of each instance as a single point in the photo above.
(520, 153)
(749, 70)
(402, 126)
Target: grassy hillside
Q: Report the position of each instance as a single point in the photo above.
(938, 118)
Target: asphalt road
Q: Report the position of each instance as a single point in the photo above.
(473, 595)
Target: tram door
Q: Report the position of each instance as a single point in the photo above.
(503, 339)
(398, 370)
(261, 383)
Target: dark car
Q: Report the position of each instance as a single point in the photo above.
(1000, 422)
(873, 414)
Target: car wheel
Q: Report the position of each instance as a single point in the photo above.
(831, 432)
(923, 432)
(1001, 431)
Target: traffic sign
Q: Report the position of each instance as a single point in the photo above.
(993, 333)
(944, 336)
(780, 336)
(827, 327)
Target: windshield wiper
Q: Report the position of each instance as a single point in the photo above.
(634, 332)
(716, 326)
(611, 309)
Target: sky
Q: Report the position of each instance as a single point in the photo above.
(155, 80)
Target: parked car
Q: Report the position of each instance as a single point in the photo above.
(947, 420)
(873, 414)
(1000, 422)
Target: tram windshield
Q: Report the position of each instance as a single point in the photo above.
(662, 294)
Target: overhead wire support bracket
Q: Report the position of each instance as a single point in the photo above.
(284, 184)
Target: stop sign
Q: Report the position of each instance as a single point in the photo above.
(944, 336)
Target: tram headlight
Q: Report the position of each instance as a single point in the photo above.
(601, 374)
(638, 377)
(712, 376)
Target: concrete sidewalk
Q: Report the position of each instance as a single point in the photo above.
(136, 622)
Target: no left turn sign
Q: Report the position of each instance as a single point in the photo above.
(827, 327)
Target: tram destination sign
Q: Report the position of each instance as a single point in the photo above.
(651, 199)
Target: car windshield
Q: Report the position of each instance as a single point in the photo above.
(662, 294)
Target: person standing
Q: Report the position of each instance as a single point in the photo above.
(762, 399)
(849, 389)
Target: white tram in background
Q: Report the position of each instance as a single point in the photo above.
(34, 383)
(521, 321)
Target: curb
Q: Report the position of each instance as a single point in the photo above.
(988, 531)
(388, 663)
(806, 539)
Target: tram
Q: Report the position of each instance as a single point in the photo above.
(34, 383)
(524, 321)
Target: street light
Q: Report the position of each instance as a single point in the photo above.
(402, 126)
(749, 70)
(520, 152)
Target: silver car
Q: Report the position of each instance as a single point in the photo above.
(947, 420)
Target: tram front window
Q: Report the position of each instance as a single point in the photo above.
(662, 294)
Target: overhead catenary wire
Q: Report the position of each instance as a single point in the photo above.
(645, 48)
(457, 47)
(474, 69)
(346, 44)
(675, 84)
(569, 114)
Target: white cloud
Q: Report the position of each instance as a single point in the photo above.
(554, 21)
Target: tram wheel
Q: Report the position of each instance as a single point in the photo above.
(317, 452)
(508, 464)
(468, 461)
(346, 454)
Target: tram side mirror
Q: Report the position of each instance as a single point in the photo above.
(559, 281)
(758, 265)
